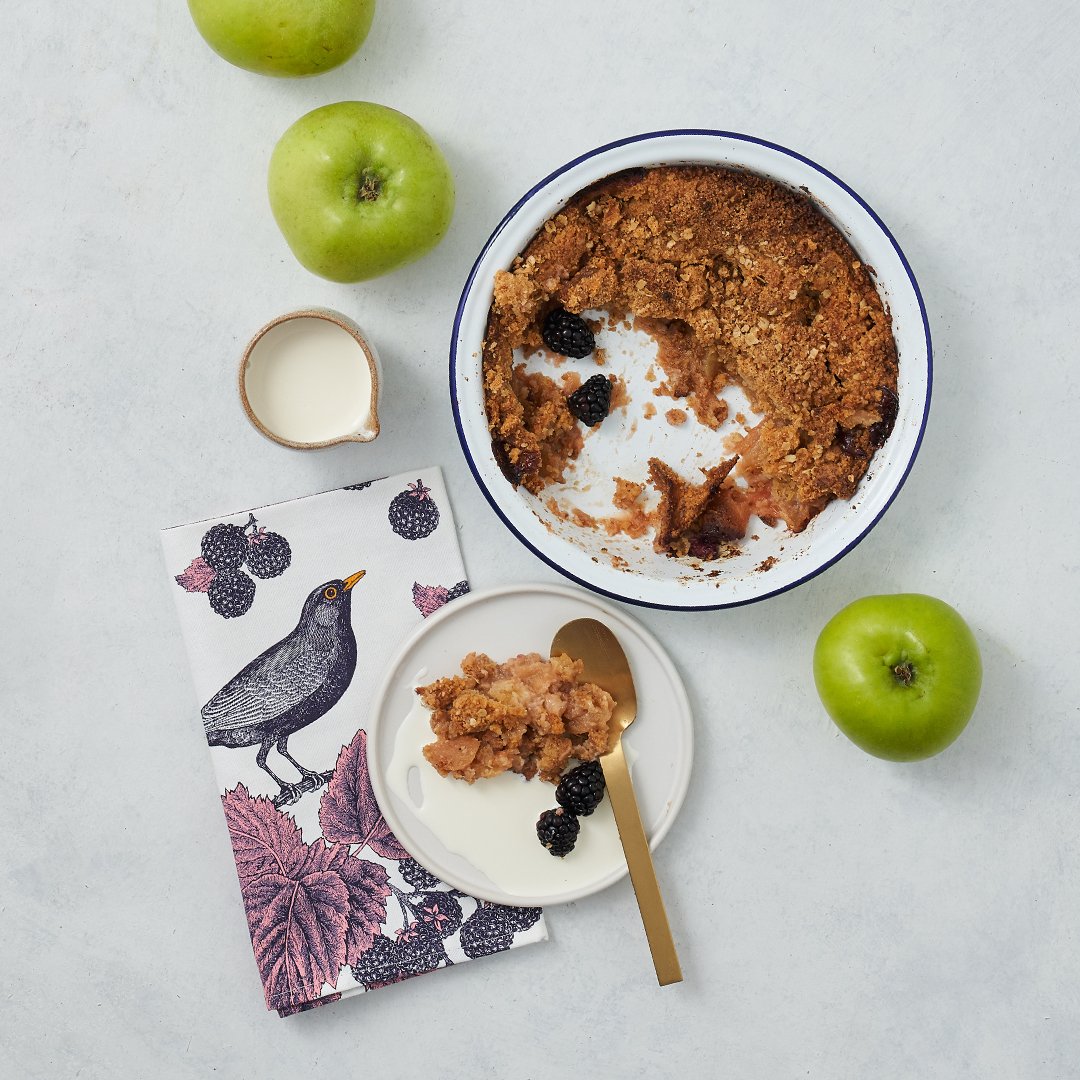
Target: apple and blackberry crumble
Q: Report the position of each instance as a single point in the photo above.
(529, 715)
(739, 280)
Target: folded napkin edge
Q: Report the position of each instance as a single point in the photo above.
(428, 469)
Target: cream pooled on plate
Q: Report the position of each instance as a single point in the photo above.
(492, 823)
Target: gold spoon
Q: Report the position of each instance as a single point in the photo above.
(606, 665)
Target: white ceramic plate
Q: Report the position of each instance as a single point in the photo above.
(777, 560)
(502, 623)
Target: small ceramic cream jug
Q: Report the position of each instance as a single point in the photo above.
(310, 379)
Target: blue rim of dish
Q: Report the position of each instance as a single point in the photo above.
(512, 213)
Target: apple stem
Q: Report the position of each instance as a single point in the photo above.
(369, 187)
(904, 672)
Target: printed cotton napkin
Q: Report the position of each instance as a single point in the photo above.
(290, 614)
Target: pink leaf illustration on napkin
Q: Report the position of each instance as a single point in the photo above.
(264, 840)
(368, 885)
(429, 598)
(348, 812)
(310, 907)
(298, 927)
(197, 577)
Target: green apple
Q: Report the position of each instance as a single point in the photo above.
(900, 675)
(358, 189)
(284, 37)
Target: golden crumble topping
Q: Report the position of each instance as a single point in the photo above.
(739, 280)
(529, 715)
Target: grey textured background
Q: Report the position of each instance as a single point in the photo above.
(838, 917)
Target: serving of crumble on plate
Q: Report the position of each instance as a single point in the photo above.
(517, 624)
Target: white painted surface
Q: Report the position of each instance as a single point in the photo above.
(837, 917)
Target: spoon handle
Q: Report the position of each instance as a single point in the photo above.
(642, 874)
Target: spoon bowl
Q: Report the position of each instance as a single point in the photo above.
(606, 665)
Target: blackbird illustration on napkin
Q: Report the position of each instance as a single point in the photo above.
(290, 614)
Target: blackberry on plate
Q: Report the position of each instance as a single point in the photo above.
(412, 513)
(581, 789)
(268, 554)
(557, 830)
(231, 593)
(591, 401)
(224, 547)
(567, 334)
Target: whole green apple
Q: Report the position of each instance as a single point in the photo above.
(358, 189)
(284, 37)
(900, 675)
